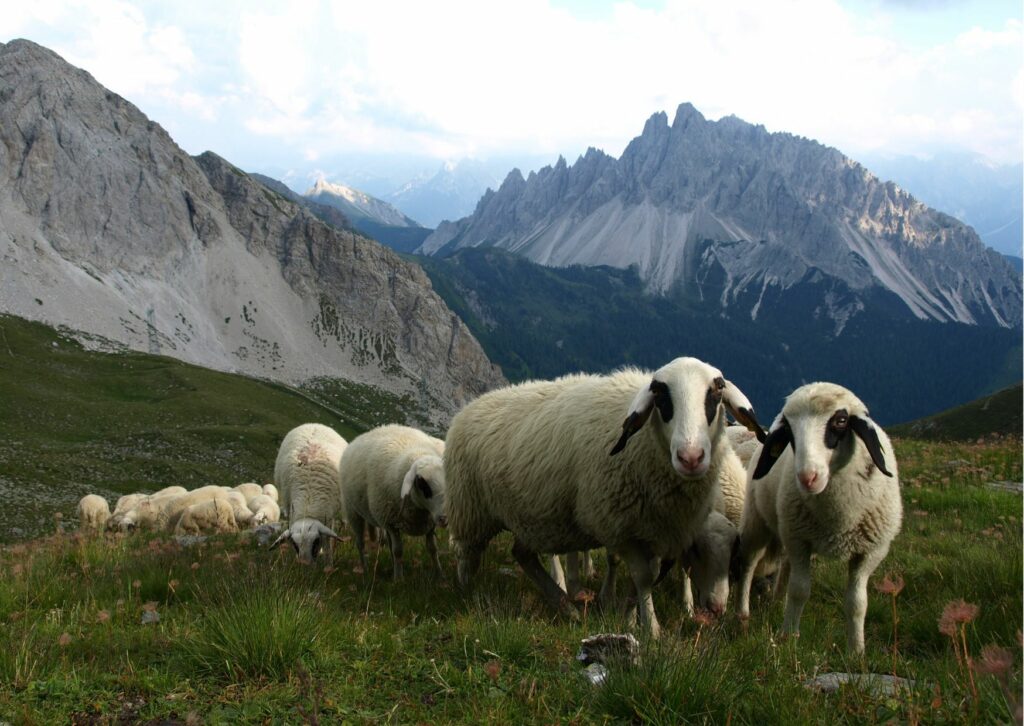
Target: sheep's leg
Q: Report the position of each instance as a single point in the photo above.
(861, 567)
(552, 593)
(395, 539)
(641, 571)
(754, 540)
(589, 573)
(687, 591)
(572, 574)
(606, 596)
(358, 525)
(557, 574)
(781, 580)
(468, 557)
(432, 551)
(799, 586)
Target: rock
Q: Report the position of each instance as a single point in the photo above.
(605, 647)
(190, 540)
(596, 674)
(877, 684)
(1006, 486)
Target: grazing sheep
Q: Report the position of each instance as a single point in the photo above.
(213, 515)
(824, 482)
(271, 491)
(249, 490)
(93, 512)
(240, 507)
(124, 505)
(170, 491)
(392, 477)
(534, 459)
(306, 473)
(163, 512)
(264, 510)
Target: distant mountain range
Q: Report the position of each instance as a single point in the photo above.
(726, 211)
(450, 193)
(110, 229)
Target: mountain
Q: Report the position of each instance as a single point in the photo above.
(450, 193)
(968, 186)
(727, 211)
(108, 228)
(542, 322)
(998, 414)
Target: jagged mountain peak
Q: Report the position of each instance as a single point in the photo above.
(729, 202)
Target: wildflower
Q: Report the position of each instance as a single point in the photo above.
(890, 585)
(329, 569)
(18, 569)
(102, 616)
(136, 584)
(195, 565)
(584, 596)
(150, 606)
(172, 585)
(357, 570)
(995, 661)
(64, 639)
(956, 612)
(703, 618)
(493, 669)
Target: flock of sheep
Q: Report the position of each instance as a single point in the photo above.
(555, 464)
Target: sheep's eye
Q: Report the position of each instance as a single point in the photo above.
(839, 419)
(711, 400)
(719, 383)
(662, 400)
(837, 427)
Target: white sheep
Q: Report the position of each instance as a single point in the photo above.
(534, 459)
(249, 490)
(93, 512)
(170, 491)
(163, 512)
(240, 507)
(306, 473)
(264, 510)
(392, 477)
(213, 515)
(271, 491)
(824, 482)
(124, 505)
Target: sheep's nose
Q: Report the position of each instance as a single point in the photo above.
(807, 478)
(717, 609)
(690, 458)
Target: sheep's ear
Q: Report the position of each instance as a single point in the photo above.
(771, 449)
(740, 408)
(327, 531)
(666, 567)
(640, 410)
(281, 538)
(863, 428)
(410, 479)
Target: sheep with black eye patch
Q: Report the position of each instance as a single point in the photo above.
(554, 463)
(824, 482)
(392, 477)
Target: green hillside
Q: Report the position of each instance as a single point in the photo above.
(999, 413)
(74, 421)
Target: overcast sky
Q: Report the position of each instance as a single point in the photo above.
(271, 85)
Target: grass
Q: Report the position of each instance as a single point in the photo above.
(999, 413)
(246, 636)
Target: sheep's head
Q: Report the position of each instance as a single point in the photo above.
(271, 491)
(708, 561)
(307, 537)
(690, 396)
(821, 422)
(424, 488)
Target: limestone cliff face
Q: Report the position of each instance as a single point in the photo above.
(726, 200)
(109, 228)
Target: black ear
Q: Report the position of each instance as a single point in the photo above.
(774, 444)
(866, 432)
(424, 487)
(640, 410)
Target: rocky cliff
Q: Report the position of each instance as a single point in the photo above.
(729, 210)
(109, 228)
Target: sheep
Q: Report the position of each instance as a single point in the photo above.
(534, 459)
(264, 510)
(271, 491)
(93, 512)
(124, 505)
(743, 443)
(170, 491)
(163, 512)
(249, 490)
(212, 515)
(240, 507)
(825, 481)
(392, 477)
(306, 473)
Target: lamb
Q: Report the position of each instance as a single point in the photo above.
(170, 491)
(213, 515)
(824, 482)
(163, 512)
(534, 459)
(239, 507)
(264, 510)
(93, 512)
(271, 491)
(124, 505)
(306, 472)
(392, 477)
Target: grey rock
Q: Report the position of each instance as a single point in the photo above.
(754, 212)
(605, 647)
(876, 684)
(133, 243)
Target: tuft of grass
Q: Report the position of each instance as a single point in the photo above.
(253, 632)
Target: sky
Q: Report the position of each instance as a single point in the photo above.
(296, 88)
